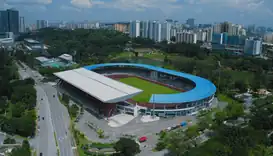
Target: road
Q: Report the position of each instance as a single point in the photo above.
(56, 119)
(45, 140)
(61, 121)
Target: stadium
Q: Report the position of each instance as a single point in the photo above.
(139, 89)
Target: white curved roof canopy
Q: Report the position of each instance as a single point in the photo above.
(103, 88)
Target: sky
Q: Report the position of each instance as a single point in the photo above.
(259, 12)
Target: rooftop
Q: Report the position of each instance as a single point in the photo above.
(31, 41)
(103, 88)
(66, 57)
(42, 59)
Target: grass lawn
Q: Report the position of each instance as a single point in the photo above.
(83, 141)
(148, 88)
(222, 97)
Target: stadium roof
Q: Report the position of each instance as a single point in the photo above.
(203, 87)
(103, 88)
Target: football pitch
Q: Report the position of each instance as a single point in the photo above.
(148, 88)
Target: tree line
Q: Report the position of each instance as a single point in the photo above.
(87, 46)
(17, 100)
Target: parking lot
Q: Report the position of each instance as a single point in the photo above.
(134, 127)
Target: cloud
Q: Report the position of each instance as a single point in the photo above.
(23, 2)
(69, 8)
(82, 3)
(166, 6)
(237, 4)
(129, 5)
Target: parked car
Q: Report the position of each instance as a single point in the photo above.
(142, 139)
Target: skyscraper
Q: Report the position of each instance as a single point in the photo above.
(9, 21)
(22, 25)
(41, 24)
(4, 21)
(13, 18)
(190, 22)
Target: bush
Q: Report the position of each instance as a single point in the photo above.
(65, 99)
(101, 145)
(9, 141)
(73, 110)
(160, 145)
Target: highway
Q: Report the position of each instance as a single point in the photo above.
(56, 118)
(61, 121)
(45, 136)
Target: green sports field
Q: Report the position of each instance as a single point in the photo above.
(148, 88)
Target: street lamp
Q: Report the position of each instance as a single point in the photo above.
(219, 76)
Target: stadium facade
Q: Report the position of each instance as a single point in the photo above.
(99, 81)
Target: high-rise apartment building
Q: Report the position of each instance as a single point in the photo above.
(134, 28)
(173, 32)
(209, 32)
(227, 27)
(217, 28)
(253, 47)
(22, 26)
(186, 37)
(144, 29)
(41, 24)
(201, 35)
(166, 31)
(9, 21)
(152, 29)
(157, 31)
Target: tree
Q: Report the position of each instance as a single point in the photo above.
(24, 150)
(126, 147)
(192, 131)
(100, 133)
(65, 99)
(73, 110)
(9, 141)
(241, 85)
(220, 116)
(26, 145)
(234, 110)
(17, 109)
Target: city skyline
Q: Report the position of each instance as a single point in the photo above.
(209, 11)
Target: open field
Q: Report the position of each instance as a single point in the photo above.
(148, 88)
